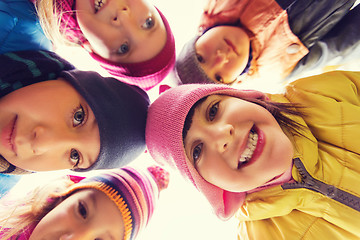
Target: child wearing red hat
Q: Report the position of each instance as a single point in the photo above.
(132, 40)
(284, 165)
(114, 204)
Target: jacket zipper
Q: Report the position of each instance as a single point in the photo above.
(330, 191)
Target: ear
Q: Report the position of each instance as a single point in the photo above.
(86, 45)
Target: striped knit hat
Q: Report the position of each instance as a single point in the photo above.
(134, 192)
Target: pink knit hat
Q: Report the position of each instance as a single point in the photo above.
(135, 193)
(146, 74)
(165, 123)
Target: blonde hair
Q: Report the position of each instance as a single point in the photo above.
(17, 216)
(50, 18)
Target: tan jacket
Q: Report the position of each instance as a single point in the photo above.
(276, 50)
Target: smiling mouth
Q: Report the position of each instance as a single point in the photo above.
(250, 148)
(99, 4)
(231, 45)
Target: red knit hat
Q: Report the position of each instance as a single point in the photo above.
(146, 74)
(165, 123)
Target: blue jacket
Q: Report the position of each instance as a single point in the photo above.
(20, 28)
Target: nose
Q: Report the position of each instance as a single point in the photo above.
(66, 236)
(223, 135)
(74, 236)
(121, 14)
(220, 58)
(45, 139)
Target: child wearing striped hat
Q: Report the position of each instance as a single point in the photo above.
(114, 204)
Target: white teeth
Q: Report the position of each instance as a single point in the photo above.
(99, 4)
(250, 147)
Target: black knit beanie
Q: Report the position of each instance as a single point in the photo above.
(120, 110)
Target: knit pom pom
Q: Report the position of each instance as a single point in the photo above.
(160, 175)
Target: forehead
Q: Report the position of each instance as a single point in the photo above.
(213, 34)
(144, 44)
(46, 90)
(106, 216)
(197, 115)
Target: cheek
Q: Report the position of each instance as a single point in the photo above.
(57, 219)
(280, 152)
(214, 170)
(205, 46)
(232, 71)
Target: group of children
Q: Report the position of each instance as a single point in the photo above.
(285, 165)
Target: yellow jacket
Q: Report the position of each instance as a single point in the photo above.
(330, 154)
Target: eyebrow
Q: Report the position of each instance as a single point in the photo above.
(94, 201)
(91, 119)
(188, 142)
(188, 153)
(89, 160)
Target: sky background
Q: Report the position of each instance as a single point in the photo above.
(182, 212)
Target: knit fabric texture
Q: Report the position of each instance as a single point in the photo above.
(164, 128)
(134, 192)
(146, 74)
(187, 66)
(120, 109)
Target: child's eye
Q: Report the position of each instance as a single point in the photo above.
(149, 23)
(82, 210)
(213, 111)
(200, 58)
(78, 116)
(197, 152)
(123, 49)
(74, 157)
(219, 78)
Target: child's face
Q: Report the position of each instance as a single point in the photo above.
(86, 214)
(125, 31)
(48, 126)
(223, 53)
(235, 144)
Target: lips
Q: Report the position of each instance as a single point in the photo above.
(254, 147)
(231, 45)
(8, 134)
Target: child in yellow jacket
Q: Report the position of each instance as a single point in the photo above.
(285, 165)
